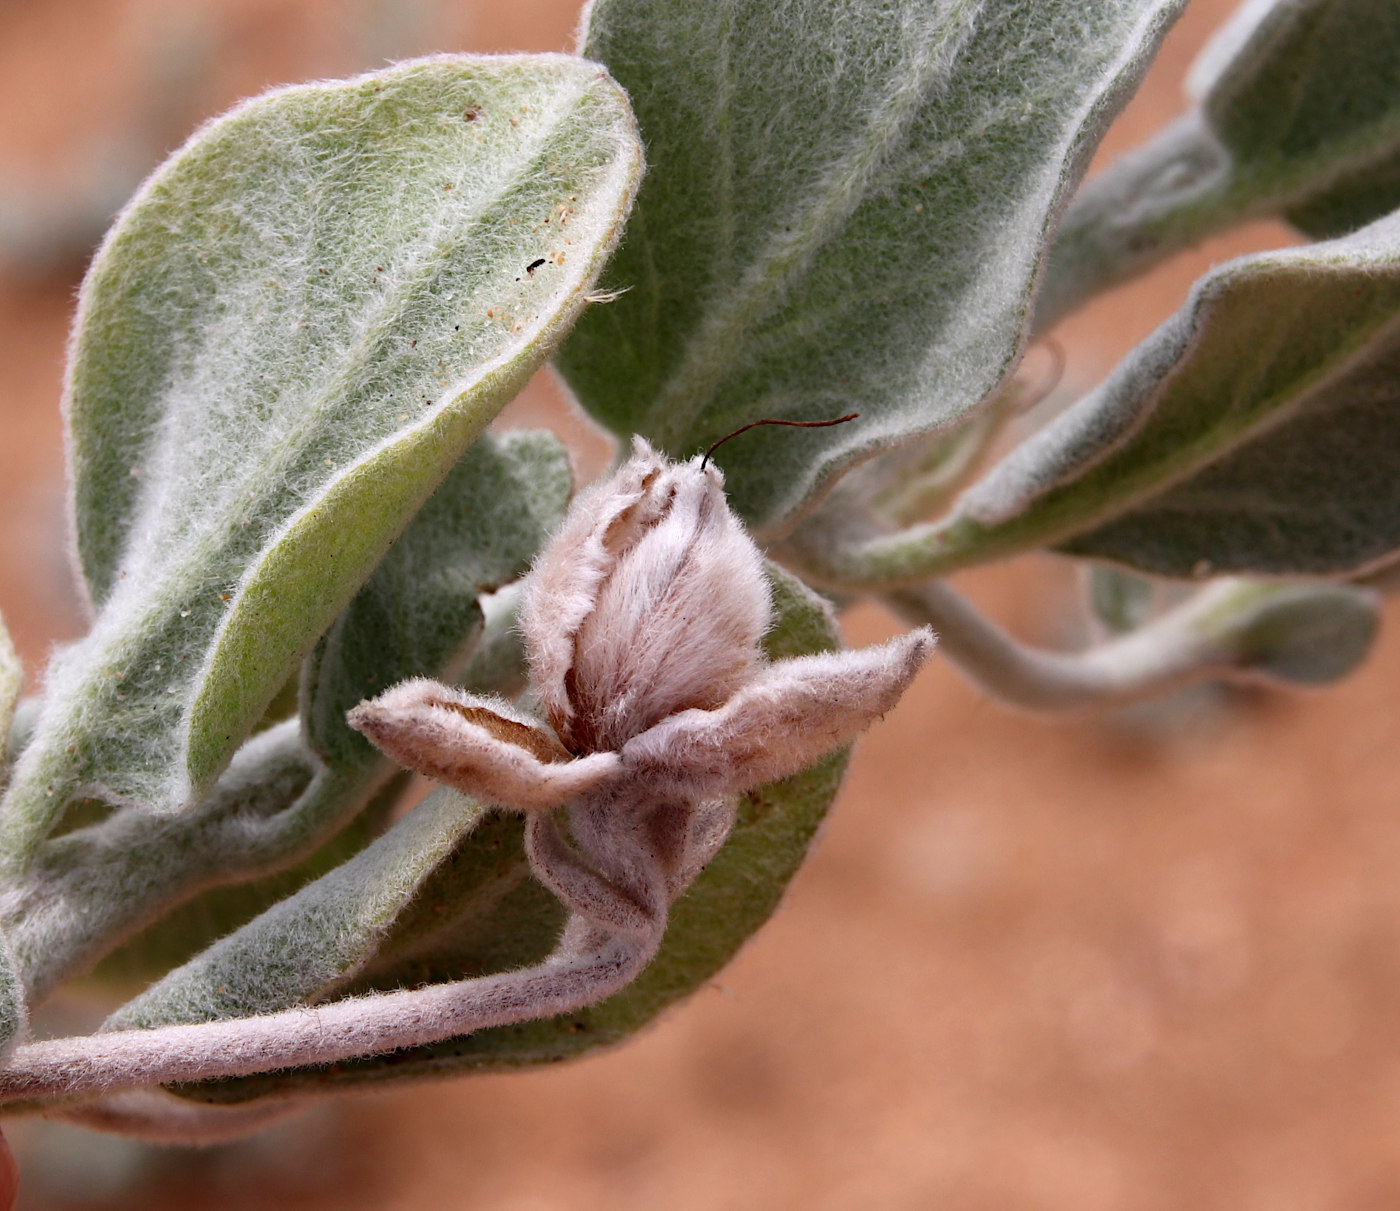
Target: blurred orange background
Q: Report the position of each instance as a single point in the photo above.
(1143, 961)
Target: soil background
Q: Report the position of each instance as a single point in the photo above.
(1141, 961)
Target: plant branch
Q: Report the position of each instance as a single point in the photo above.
(844, 548)
(1163, 656)
(1233, 629)
(588, 965)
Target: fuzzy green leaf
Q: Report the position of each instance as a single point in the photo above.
(1253, 432)
(14, 1016)
(1298, 634)
(1299, 115)
(310, 942)
(846, 205)
(289, 338)
(510, 921)
(416, 616)
(236, 887)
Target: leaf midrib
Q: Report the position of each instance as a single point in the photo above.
(708, 353)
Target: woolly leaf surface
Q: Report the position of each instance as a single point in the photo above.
(311, 940)
(234, 890)
(287, 340)
(1298, 115)
(417, 615)
(1254, 431)
(13, 1015)
(845, 209)
(735, 894)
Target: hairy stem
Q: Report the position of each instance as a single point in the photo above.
(588, 965)
(1172, 652)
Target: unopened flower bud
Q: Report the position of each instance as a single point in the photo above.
(650, 600)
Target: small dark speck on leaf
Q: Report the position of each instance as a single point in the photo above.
(533, 265)
(472, 113)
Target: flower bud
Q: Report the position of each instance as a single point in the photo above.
(650, 600)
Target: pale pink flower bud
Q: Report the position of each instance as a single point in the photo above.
(650, 600)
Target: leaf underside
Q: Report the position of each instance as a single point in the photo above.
(1309, 111)
(1253, 432)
